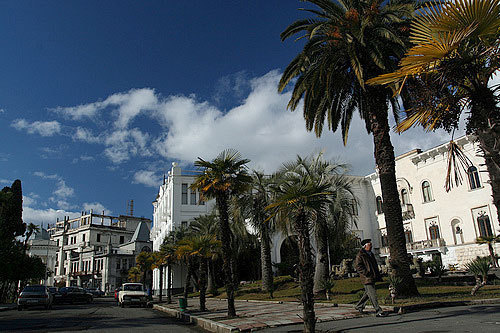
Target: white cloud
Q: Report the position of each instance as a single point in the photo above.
(43, 128)
(45, 216)
(96, 207)
(44, 175)
(85, 135)
(2, 110)
(63, 190)
(148, 178)
(6, 182)
(122, 144)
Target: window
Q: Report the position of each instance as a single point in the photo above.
(433, 232)
(118, 264)
(354, 207)
(380, 207)
(98, 237)
(125, 263)
(184, 224)
(484, 226)
(83, 237)
(384, 240)
(404, 197)
(408, 236)
(193, 197)
(473, 176)
(426, 191)
(122, 239)
(184, 200)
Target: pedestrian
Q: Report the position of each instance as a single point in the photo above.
(367, 267)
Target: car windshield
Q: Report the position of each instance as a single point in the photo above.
(34, 289)
(133, 287)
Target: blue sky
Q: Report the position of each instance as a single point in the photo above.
(98, 98)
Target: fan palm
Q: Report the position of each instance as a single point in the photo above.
(145, 262)
(349, 42)
(490, 240)
(298, 199)
(201, 247)
(222, 178)
(252, 206)
(456, 53)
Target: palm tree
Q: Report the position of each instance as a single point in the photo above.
(349, 42)
(456, 51)
(298, 198)
(490, 240)
(167, 251)
(480, 268)
(252, 205)
(221, 179)
(207, 225)
(30, 230)
(203, 248)
(134, 274)
(145, 262)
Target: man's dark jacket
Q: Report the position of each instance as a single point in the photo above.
(367, 267)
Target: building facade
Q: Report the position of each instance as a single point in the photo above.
(97, 250)
(438, 223)
(40, 245)
(175, 206)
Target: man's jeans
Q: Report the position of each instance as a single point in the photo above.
(371, 294)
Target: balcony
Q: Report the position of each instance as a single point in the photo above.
(408, 212)
(418, 246)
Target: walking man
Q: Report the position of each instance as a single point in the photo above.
(367, 267)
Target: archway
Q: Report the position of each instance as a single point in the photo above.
(289, 252)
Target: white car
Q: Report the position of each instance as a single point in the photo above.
(132, 294)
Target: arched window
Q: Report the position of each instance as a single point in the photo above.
(426, 191)
(434, 232)
(404, 197)
(473, 178)
(380, 207)
(484, 226)
(408, 236)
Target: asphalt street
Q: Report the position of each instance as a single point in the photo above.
(478, 318)
(103, 315)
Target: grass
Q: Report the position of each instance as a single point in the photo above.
(349, 291)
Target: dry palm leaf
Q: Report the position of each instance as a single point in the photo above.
(456, 160)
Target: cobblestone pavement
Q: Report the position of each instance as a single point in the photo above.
(254, 315)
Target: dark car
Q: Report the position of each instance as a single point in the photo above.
(35, 295)
(95, 292)
(73, 295)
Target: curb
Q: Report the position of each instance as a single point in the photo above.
(7, 308)
(206, 324)
(433, 305)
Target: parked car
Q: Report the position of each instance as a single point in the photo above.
(53, 290)
(95, 292)
(35, 295)
(131, 294)
(73, 295)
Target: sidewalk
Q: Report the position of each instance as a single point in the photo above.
(254, 315)
(6, 307)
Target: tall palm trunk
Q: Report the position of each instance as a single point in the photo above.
(265, 257)
(485, 113)
(227, 253)
(306, 271)
(187, 284)
(212, 287)
(160, 295)
(202, 283)
(322, 269)
(169, 282)
(386, 164)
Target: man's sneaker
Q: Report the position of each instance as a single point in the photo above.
(382, 314)
(360, 310)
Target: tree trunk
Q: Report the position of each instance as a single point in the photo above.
(202, 283)
(492, 254)
(169, 283)
(227, 253)
(187, 284)
(160, 295)
(479, 283)
(386, 165)
(212, 287)
(322, 269)
(306, 272)
(265, 257)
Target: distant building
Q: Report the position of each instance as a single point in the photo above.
(41, 246)
(175, 206)
(97, 250)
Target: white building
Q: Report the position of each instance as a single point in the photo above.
(175, 205)
(436, 222)
(40, 245)
(97, 250)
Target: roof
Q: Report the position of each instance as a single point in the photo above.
(141, 233)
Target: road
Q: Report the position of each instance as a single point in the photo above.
(478, 318)
(103, 315)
